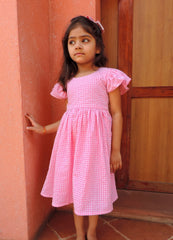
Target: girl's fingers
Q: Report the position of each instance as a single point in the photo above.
(35, 127)
(31, 119)
(30, 128)
(114, 167)
(28, 117)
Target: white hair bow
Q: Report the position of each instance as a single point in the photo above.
(97, 22)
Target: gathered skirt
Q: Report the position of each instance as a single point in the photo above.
(79, 170)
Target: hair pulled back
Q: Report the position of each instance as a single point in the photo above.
(69, 67)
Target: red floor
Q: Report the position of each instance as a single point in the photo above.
(109, 228)
(137, 215)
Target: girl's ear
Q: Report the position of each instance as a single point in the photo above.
(98, 51)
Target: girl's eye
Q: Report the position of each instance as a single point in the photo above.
(85, 40)
(71, 42)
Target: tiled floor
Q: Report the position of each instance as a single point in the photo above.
(61, 227)
(137, 215)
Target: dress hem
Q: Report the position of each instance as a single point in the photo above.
(83, 214)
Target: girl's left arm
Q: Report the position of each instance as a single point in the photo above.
(117, 121)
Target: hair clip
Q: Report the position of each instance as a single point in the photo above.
(97, 22)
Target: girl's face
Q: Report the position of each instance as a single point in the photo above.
(82, 46)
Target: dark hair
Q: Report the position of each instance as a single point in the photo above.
(69, 67)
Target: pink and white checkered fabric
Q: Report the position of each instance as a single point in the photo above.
(79, 170)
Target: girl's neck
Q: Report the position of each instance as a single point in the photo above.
(85, 70)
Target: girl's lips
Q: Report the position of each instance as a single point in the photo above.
(79, 54)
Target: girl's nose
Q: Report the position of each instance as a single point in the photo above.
(78, 45)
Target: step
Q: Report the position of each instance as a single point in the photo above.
(148, 206)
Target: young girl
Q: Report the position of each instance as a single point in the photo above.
(86, 151)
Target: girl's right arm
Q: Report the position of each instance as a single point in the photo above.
(36, 127)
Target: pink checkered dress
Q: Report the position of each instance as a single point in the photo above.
(79, 170)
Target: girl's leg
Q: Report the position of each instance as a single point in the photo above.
(91, 234)
(79, 225)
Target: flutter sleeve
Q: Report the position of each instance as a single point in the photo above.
(58, 92)
(116, 78)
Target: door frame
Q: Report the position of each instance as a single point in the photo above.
(125, 49)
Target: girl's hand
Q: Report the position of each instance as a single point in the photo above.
(116, 161)
(35, 127)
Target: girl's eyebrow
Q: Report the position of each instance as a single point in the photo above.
(86, 35)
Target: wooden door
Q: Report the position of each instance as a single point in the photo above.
(143, 35)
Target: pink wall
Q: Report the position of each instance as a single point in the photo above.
(13, 209)
(30, 57)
